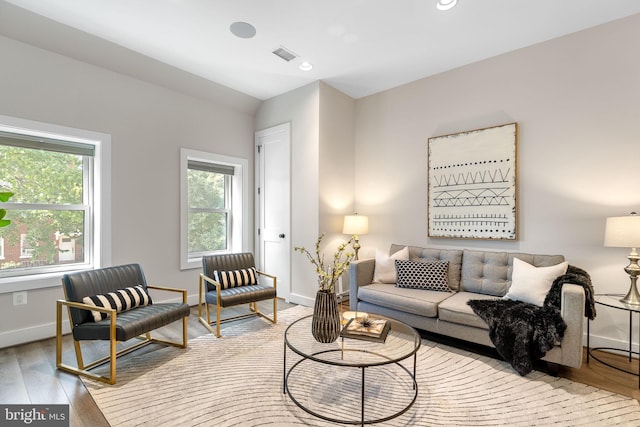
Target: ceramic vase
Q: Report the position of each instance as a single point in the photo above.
(325, 323)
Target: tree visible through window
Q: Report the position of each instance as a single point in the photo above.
(50, 211)
(209, 199)
(213, 205)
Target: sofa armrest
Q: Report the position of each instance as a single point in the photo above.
(360, 274)
(572, 311)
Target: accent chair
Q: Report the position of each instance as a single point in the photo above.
(229, 280)
(113, 304)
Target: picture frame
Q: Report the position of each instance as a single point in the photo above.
(472, 184)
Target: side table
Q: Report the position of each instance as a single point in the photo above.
(613, 301)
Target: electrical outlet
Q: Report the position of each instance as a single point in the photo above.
(20, 298)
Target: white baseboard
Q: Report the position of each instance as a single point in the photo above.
(300, 299)
(48, 330)
(599, 341)
(33, 333)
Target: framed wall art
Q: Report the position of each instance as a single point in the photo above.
(472, 184)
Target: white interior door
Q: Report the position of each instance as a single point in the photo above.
(273, 204)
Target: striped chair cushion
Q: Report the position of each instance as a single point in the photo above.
(120, 300)
(234, 278)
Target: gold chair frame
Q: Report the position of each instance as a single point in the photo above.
(82, 368)
(253, 306)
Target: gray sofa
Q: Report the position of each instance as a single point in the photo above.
(471, 275)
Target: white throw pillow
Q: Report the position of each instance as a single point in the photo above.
(532, 284)
(385, 271)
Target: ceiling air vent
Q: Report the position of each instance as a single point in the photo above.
(285, 53)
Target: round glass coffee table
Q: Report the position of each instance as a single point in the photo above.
(351, 381)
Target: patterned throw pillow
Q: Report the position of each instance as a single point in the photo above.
(423, 275)
(120, 300)
(233, 278)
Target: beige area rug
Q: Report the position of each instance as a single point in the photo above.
(237, 381)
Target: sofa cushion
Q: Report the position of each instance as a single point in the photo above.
(120, 300)
(485, 272)
(423, 275)
(532, 284)
(416, 301)
(456, 310)
(490, 273)
(453, 256)
(385, 269)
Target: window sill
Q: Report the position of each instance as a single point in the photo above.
(25, 283)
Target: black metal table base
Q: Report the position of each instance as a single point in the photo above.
(628, 351)
(362, 420)
(593, 356)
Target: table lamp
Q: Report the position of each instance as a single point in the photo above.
(354, 225)
(624, 232)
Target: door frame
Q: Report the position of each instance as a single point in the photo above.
(284, 284)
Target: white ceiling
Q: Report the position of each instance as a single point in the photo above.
(360, 47)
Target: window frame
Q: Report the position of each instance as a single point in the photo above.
(100, 200)
(84, 206)
(25, 253)
(239, 224)
(225, 210)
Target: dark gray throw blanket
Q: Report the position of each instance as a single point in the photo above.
(523, 333)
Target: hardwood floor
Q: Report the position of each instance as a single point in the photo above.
(604, 377)
(28, 374)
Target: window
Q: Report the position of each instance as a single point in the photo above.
(213, 211)
(51, 180)
(209, 217)
(59, 198)
(26, 251)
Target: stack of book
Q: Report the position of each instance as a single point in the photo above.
(368, 330)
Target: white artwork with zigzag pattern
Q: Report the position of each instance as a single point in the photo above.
(472, 184)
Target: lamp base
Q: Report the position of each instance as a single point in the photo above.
(632, 297)
(633, 270)
(356, 246)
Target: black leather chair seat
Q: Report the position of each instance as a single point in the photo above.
(130, 324)
(242, 295)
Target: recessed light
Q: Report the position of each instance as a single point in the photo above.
(306, 66)
(242, 30)
(446, 4)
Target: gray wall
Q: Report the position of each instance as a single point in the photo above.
(576, 100)
(299, 107)
(148, 124)
(322, 174)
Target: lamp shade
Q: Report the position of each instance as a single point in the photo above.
(622, 231)
(355, 224)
